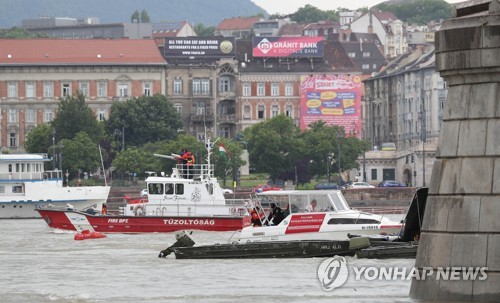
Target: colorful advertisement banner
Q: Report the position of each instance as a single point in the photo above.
(334, 99)
(287, 46)
(199, 47)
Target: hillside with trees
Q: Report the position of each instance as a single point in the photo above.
(110, 11)
(417, 11)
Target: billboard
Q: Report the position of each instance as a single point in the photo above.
(334, 99)
(287, 47)
(199, 47)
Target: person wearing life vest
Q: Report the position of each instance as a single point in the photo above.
(104, 209)
(257, 216)
(184, 160)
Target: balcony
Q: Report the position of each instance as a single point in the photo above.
(202, 118)
(227, 118)
(227, 94)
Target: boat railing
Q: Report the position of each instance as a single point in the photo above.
(196, 171)
(45, 175)
(383, 210)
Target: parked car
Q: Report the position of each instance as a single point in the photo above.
(360, 185)
(227, 191)
(327, 186)
(391, 183)
(144, 192)
(261, 188)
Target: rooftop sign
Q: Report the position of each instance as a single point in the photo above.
(199, 47)
(287, 47)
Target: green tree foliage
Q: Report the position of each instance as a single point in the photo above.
(145, 119)
(80, 154)
(226, 167)
(145, 17)
(134, 160)
(204, 31)
(19, 33)
(74, 116)
(39, 139)
(140, 17)
(310, 14)
(274, 146)
(418, 11)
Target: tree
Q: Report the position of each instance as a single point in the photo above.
(418, 12)
(311, 14)
(39, 139)
(135, 160)
(279, 157)
(74, 116)
(19, 33)
(204, 31)
(226, 167)
(140, 17)
(144, 119)
(79, 155)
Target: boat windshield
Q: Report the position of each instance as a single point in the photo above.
(303, 201)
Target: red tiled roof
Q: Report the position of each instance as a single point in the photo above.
(237, 23)
(79, 52)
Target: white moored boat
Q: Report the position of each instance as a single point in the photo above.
(332, 218)
(25, 185)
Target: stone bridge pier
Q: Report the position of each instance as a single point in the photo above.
(461, 225)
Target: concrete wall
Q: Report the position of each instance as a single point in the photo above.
(461, 225)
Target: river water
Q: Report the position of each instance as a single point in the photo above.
(38, 264)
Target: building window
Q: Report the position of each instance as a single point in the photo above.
(102, 114)
(48, 115)
(366, 54)
(48, 89)
(30, 115)
(261, 89)
(247, 91)
(177, 87)
(12, 90)
(275, 89)
(30, 89)
(205, 87)
(224, 132)
(196, 86)
(289, 111)
(123, 90)
(224, 84)
(260, 112)
(274, 111)
(200, 108)
(289, 89)
(178, 107)
(12, 115)
(13, 139)
(351, 55)
(84, 88)
(147, 88)
(246, 112)
(66, 89)
(102, 89)
(365, 66)
(374, 174)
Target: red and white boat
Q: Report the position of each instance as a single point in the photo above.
(188, 199)
(332, 219)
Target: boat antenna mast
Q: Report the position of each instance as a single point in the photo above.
(208, 147)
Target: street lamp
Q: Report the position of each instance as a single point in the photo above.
(328, 164)
(54, 147)
(339, 137)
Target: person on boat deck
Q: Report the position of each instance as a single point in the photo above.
(183, 157)
(257, 216)
(104, 209)
(312, 206)
(276, 215)
(190, 164)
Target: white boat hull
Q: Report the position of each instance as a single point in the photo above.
(44, 193)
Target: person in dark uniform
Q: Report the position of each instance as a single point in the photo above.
(276, 215)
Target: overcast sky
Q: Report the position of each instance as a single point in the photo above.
(291, 6)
